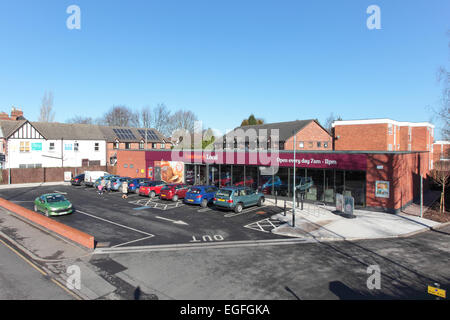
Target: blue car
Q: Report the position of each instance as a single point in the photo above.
(201, 195)
(136, 183)
(116, 183)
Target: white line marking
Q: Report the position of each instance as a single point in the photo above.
(203, 245)
(173, 221)
(115, 223)
(56, 191)
(122, 244)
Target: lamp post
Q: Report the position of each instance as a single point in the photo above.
(293, 199)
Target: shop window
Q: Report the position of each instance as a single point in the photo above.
(96, 146)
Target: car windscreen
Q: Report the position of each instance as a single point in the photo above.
(224, 193)
(55, 198)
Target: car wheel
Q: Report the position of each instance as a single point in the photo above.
(152, 194)
(238, 208)
(260, 202)
(175, 198)
(47, 213)
(204, 203)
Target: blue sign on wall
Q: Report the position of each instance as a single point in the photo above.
(36, 146)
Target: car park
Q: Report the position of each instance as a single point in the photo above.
(78, 180)
(136, 183)
(237, 198)
(200, 195)
(53, 204)
(116, 183)
(106, 178)
(174, 192)
(151, 189)
(90, 177)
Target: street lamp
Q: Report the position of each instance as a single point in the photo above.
(293, 199)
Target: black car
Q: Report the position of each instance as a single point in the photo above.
(78, 180)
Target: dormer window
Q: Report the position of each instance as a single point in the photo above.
(116, 144)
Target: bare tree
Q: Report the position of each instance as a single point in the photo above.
(443, 113)
(160, 119)
(80, 119)
(120, 116)
(182, 119)
(441, 175)
(329, 121)
(46, 113)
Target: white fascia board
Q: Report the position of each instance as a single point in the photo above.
(442, 142)
(382, 121)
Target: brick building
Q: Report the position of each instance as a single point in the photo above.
(382, 135)
(309, 135)
(441, 151)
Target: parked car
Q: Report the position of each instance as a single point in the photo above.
(151, 189)
(78, 180)
(53, 204)
(91, 176)
(136, 183)
(116, 183)
(106, 178)
(201, 195)
(174, 192)
(237, 198)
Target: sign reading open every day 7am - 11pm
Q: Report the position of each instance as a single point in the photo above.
(437, 291)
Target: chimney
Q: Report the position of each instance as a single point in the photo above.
(16, 113)
(4, 116)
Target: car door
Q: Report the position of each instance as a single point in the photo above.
(43, 204)
(251, 196)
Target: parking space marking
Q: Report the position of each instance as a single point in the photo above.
(60, 192)
(155, 204)
(229, 215)
(115, 223)
(265, 225)
(125, 243)
(204, 210)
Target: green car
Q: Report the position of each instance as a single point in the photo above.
(53, 204)
(237, 198)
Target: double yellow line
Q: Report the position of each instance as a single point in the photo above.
(40, 270)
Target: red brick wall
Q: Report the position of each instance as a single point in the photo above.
(134, 158)
(311, 133)
(365, 137)
(403, 173)
(441, 149)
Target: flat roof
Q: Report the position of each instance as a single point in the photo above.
(382, 121)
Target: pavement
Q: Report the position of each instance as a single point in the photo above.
(321, 223)
(33, 185)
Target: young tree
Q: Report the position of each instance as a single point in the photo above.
(441, 175)
(46, 113)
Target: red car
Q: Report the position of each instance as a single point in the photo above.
(151, 189)
(248, 182)
(174, 192)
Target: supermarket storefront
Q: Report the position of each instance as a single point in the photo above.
(320, 175)
(386, 181)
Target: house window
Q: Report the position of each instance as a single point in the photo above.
(52, 146)
(311, 144)
(301, 144)
(409, 146)
(319, 144)
(390, 147)
(131, 166)
(153, 145)
(127, 145)
(116, 145)
(75, 146)
(96, 147)
(390, 129)
(141, 145)
(24, 146)
(163, 145)
(125, 165)
(325, 144)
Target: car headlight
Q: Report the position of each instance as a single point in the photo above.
(70, 206)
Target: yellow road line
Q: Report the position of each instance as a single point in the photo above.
(40, 270)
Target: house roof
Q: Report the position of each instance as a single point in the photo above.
(286, 129)
(77, 131)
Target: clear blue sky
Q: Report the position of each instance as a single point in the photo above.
(280, 60)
